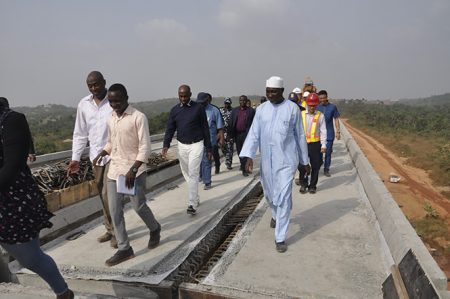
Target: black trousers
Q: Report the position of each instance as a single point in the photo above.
(240, 139)
(216, 155)
(315, 160)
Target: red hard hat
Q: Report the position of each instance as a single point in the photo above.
(312, 99)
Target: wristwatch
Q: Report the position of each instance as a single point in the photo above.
(134, 170)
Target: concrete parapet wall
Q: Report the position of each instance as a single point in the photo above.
(397, 231)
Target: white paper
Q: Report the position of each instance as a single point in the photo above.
(121, 188)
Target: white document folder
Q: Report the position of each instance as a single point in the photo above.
(121, 188)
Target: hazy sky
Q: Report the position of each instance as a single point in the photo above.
(376, 49)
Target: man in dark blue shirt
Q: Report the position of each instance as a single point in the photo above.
(189, 120)
(330, 112)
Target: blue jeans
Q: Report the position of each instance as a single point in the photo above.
(31, 256)
(327, 163)
(205, 168)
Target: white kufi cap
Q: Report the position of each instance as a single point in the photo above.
(274, 82)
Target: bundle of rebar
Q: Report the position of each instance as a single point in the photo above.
(51, 177)
(155, 159)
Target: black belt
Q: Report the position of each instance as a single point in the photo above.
(190, 142)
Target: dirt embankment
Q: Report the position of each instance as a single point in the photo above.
(414, 191)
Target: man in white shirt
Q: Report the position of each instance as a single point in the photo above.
(316, 137)
(93, 113)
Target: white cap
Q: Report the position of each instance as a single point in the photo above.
(305, 94)
(274, 82)
(297, 90)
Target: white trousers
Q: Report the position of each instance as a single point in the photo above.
(281, 214)
(190, 157)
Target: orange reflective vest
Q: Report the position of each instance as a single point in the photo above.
(313, 135)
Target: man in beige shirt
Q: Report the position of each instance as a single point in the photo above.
(128, 146)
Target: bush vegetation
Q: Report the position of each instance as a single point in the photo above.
(52, 126)
(421, 133)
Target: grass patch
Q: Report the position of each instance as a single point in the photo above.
(426, 152)
(434, 232)
(430, 227)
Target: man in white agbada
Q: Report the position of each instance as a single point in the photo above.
(277, 130)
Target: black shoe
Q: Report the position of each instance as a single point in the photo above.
(281, 246)
(217, 169)
(273, 223)
(66, 295)
(191, 210)
(155, 236)
(326, 172)
(244, 173)
(303, 189)
(312, 190)
(119, 257)
(229, 167)
(207, 186)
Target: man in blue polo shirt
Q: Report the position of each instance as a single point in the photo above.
(188, 118)
(215, 124)
(330, 112)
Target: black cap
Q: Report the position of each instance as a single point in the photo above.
(202, 97)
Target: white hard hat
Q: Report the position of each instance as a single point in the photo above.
(297, 90)
(305, 94)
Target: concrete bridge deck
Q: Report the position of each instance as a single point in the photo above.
(341, 242)
(335, 247)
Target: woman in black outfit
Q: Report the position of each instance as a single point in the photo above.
(23, 208)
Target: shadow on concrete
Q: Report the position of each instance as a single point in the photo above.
(217, 183)
(334, 181)
(317, 217)
(204, 212)
(336, 168)
(186, 237)
(339, 149)
(173, 221)
(187, 234)
(206, 208)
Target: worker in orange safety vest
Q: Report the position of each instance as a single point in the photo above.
(316, 138)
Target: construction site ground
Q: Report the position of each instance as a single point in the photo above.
(414, 190)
